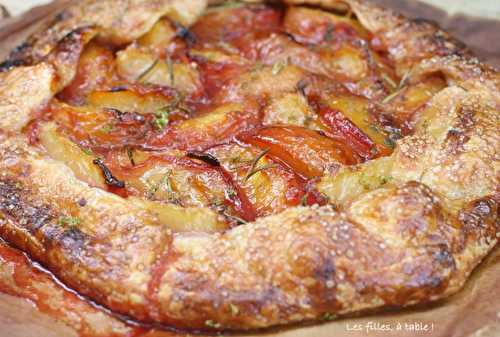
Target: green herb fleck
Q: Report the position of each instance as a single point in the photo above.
(257, 66)
(385, 179)
(168, 185)
(68, 221)
(235, 160)
(374, 127)
(231, 194)
(425, 124)
(227, 5)
(161, 120)
(279, 66)
(107, 128)
(389, 142)
(303, 200)
(218, 204)
(212, 324)
(87, 151)
(234, 309)
(365, 181)
(329, 33)
(327, 316)
(370, 182)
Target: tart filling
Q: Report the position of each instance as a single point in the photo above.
(240, 115)
(248, 165)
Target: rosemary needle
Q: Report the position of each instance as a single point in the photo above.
(147, 71)
(254, 169)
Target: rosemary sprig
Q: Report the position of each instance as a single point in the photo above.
(389, 80)
(168, 186)
(227, 47)
(400, 87)
(253, 167)
(329, 33)
(391, 96)
(147, 70)
(235, 218)
(389, 142)
(170, 67)
(259, 169)
(405, 78)
(164, 181)
(130, 155)
(162, 115)
(231, 193)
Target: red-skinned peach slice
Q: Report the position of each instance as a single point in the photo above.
(307, 152)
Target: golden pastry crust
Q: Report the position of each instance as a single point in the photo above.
(411, 241)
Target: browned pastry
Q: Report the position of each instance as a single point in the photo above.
(248, 165)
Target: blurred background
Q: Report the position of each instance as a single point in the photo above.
(485, 8)
(476, 23)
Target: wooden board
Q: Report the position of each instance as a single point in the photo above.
(475, 311)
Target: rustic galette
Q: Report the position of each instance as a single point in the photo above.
(241, 165)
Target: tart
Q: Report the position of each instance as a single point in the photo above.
(242, 165)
